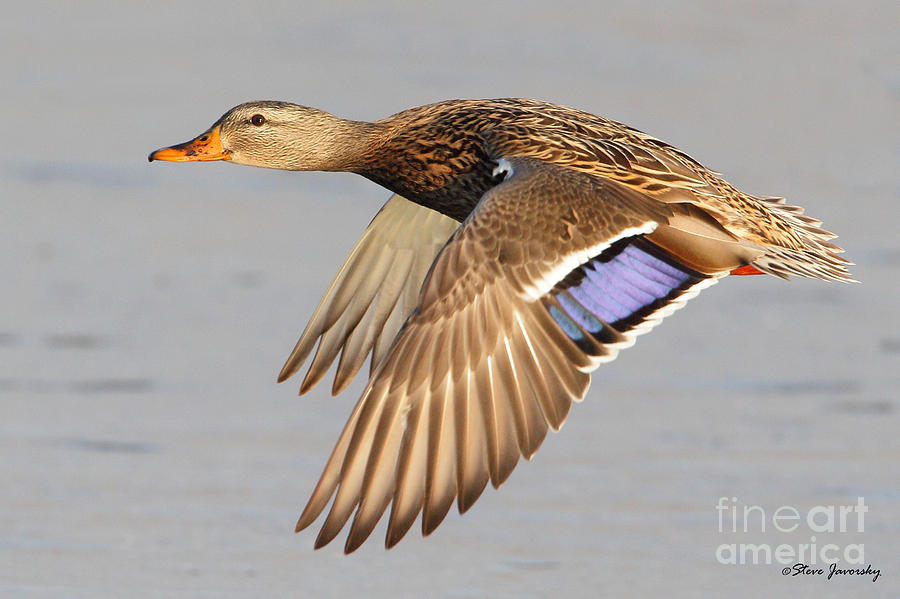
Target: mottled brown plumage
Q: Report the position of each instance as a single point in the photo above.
(527, 244)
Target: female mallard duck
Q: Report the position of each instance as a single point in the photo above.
(526, 244)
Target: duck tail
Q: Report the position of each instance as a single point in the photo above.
(803, 250)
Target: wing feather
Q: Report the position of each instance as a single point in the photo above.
(482, 368)
(372, 294)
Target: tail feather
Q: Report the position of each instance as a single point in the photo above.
(810, 255)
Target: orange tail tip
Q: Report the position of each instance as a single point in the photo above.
(749, 269)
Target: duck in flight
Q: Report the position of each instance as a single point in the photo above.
(525, 244)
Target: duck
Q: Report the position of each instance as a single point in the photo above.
(525, 244)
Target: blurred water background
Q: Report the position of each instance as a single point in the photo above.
(145, 450)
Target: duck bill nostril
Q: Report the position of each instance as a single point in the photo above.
(205, 147)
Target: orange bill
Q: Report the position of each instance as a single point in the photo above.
(207, 146)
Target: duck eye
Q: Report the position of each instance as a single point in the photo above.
(258, 120)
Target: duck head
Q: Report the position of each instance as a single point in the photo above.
(274, 135)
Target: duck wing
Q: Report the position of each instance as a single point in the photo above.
(372, 294)
(551, 275)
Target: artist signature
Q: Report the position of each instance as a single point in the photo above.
(801, 569)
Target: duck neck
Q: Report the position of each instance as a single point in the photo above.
(343, 145)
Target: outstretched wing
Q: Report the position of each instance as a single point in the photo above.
(551, 275)
(372, 294)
